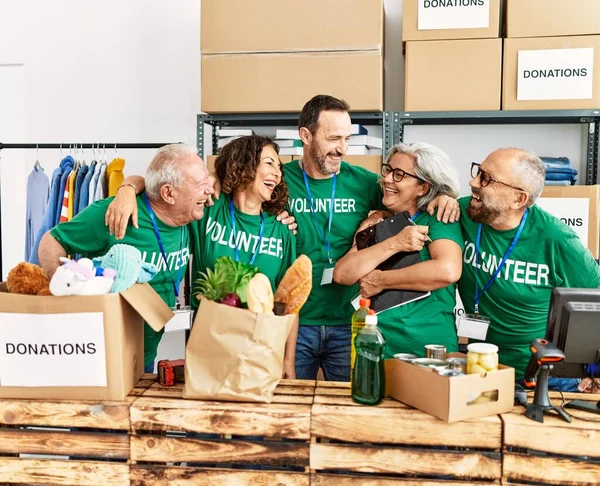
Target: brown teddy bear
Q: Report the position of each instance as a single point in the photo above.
(27, 278)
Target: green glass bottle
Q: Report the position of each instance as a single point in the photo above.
(368, 375)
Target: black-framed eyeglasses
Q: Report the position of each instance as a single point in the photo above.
(485, 178)
(397, 174)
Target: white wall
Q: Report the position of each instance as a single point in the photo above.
(129, 71)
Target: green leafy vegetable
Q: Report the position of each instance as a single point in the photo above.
(228, 277)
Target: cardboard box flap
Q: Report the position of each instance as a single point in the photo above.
(3, 287)
(149, 305)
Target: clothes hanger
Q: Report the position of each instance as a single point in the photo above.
(37, 164)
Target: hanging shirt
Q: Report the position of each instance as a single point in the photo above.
(60, 197)
(212, 237)
(83, 170)
(101, 185)
(548, 254)
(84, 193)
(94, 183)
(87, 234)
(52, 210)
(357, 193)
(38, 191)
(64, 210)
(114, 175)
(71, 201)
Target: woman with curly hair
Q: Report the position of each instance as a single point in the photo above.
(242, 223)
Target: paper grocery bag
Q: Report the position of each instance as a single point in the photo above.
(234, 354)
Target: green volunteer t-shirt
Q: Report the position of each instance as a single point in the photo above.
(548, 254)
(356, 194)
(86, 234)
(408, 328)
(212, 237)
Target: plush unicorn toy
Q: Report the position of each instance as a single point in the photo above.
(79, 278)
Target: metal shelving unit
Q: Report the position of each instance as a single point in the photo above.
(393, 123)
(589, 117)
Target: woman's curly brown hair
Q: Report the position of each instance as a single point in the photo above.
(236, 169)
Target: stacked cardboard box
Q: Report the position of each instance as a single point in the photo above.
(453, 54)
(552, 55)
(274, 55)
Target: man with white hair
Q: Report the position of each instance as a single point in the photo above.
(177, 186)
(515, 253)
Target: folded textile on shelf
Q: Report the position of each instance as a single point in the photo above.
(561, 170)
(558, 183)
(556, 161)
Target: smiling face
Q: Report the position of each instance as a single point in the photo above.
(268, 174)
(329, 142)
(403, 195)
(193, 193)
(490, 203)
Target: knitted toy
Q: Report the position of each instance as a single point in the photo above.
(81, 278)
(127, 261)
(27, 278)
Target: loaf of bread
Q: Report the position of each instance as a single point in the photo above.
(260, 294)
(295, 285)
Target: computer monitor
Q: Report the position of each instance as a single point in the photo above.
(574, 327)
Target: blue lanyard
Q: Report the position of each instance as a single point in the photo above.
(162, 250)
(414, 216)
(326, 241)
(502, 262)
(260, 237)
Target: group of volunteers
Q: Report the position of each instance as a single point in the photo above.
(503, 252)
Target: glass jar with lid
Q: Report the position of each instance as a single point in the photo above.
(482, 358)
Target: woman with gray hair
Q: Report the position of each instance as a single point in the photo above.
(412, 176)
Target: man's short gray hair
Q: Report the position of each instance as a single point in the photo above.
(432, 165)
(166, 169)
(529, 171)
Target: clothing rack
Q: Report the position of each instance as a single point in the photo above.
(78, 146)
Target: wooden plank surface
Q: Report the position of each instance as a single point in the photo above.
(65, 413)
(47, 471)
(190, 476)
(177, 391)
(549, 470)
(402, 426)
(269, 420)
(319, 479)
(347, 401)
(404, 461)
(107, 446)
(581, 437)
(167, 449)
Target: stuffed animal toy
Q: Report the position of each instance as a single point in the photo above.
(27, 278)
(127, 261)
(81, 278)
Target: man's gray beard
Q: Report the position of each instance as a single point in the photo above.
(321, 164)
(484, 214)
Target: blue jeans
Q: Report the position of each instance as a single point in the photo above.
(325, 347)
(149, 368)
(556, 383)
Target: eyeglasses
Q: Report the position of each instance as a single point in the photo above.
(397, 174)
(485, 178)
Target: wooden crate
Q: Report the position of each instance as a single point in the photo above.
(177, 441)
(72, 442)
(553, 452)
(395, 444)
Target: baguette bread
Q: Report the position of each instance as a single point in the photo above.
(295, 286)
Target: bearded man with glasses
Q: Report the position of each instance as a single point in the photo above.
(515, 253)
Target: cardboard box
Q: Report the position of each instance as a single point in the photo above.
(369, 162)
(551, 73)
(579, 208)
(248, 83)
(443, 20)
(446, 397)
(453, 75)
(236, 26)
(52, 347)
(210, 161)
(545, 18)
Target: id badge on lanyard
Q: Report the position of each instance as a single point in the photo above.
(327, 277)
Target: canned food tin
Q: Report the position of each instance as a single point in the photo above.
(170, 372)
(430, 363)
(457, 364)
(449, 372)
(435, 351)
(405, 356)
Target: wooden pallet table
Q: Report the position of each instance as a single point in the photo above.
(393, 444)
(189, 442)
(66, 442)
(554, 452)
